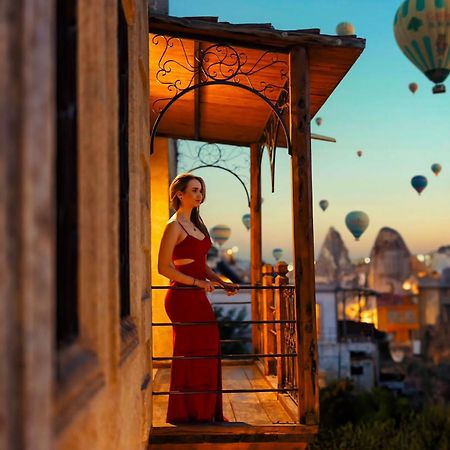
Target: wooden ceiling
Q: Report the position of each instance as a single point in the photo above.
(227, 114)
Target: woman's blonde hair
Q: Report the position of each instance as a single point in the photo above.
(179, 184)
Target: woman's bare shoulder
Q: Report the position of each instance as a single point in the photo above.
(172, 225)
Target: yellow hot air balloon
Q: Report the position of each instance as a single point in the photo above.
(422, 31)
(345, 29)
(220, 234)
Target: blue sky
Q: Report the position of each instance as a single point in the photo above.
(400, 134)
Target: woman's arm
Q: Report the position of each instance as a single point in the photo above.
(165, 264)
(212, 276)
(230, 288)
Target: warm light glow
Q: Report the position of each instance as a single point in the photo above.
(235, 249)
(290, 267)
(421, 258)
(406, 286)
(367, 260)
(229, 251)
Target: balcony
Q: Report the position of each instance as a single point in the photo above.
(260, 389)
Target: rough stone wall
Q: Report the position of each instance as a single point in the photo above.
(117, 413)
(104, 401)
(26, 224)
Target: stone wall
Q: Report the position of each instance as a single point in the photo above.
(103, 401)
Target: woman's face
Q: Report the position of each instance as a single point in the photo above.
(192, 195)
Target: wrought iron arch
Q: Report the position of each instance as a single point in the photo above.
(277, 111)
(226, 65)
(203, 166)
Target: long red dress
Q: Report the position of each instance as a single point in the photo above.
(193, 340)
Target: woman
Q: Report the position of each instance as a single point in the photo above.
(182, 259)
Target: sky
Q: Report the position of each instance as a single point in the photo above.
(401, 135)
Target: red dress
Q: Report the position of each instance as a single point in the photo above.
(193, 340)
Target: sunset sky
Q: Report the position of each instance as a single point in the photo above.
(401, 135)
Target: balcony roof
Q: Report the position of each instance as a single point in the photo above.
(226, 114)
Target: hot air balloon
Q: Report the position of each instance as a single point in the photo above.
(421, 29)
(359, 153)
(357, 222)
(220, 234)
(277, 253)
(246, 221)
(345, 29)
(419, 183)
(323, 204)
(436, 168)
(319, 121)
(413, 87)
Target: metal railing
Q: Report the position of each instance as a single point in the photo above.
(276, 324)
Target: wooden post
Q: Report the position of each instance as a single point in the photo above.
(280, 314)
(305, 300)
(266, 301)
(255, 236)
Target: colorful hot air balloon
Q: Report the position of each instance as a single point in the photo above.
(357, 222)
(413, 87)
(419, 183)
(246, 220)
(422, 30)
(345, 29)
(436, 168)
(277, 253)
(319, 121)
(220, 234)
(323, 204)
(359, 153)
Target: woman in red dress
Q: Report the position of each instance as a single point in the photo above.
(182, 259)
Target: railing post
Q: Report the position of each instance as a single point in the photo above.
(266, 313)
(281, 279)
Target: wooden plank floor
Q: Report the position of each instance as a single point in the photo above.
(259, 408)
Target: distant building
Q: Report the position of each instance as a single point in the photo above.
(398, 315)
(347, 348)
(434, 316)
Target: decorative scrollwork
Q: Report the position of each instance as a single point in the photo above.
(209, 154)
(289, 337)
(221, 62)
(271, 133)
(217, 63)
(235, 160)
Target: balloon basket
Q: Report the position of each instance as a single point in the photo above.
(439, 89)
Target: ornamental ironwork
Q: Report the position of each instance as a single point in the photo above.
(219, 64)
(288, 376)
(235, 160)
(223, 64)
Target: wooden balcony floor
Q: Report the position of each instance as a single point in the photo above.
(259, 408)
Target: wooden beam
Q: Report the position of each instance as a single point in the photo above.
(247, 36)
(255, 236)
(197, 92)
(303, 238)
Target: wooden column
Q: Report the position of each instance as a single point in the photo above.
(255, 237)
(303, 240)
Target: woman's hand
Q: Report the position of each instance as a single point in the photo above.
(230, 288)
(208, 286)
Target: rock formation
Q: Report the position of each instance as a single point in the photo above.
(333, 264)
(390, 262)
